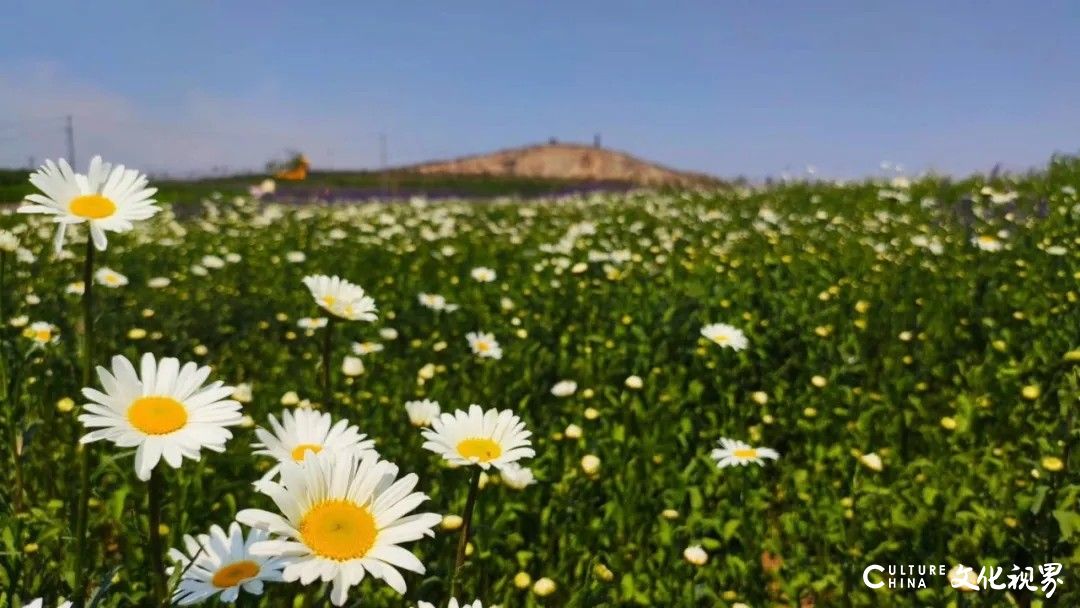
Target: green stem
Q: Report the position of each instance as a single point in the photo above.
(3, 325)
(327, 354)
(16, 573)
(16, 456)
(13, 397)
(88, 313)
(466, 527)
(82, 515)
(157, 563)
(3, 290)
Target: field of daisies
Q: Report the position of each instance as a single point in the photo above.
(729, 398)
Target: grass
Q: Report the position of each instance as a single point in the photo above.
(341, 184)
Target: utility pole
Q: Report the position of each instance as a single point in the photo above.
(70, 130)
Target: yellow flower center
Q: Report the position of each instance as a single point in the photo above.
(745, 453)
(300, 452)
(721, 338)
(987, 240)
(328, 301)
(479, 449)
(157, 415)
(482, 346)
(92, 206)
(234, 573)
(339, 530)
(43, 335)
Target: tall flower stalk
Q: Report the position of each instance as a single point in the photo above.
(8, 244)
(3, 286)
(478, 439)
(466, 528)
(87, 451)
(327, 362)
(9, 388)
(157, 564)
(169, 414)
(106, 198)
(343, 300)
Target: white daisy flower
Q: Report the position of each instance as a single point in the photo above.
(341, 298)
(343, 516)
(492, 438)
(164, 410)
(310, 323)
(736, 453)
(41, 333)
(725, 335)
(40, 603)
(452, 604)
(564, 388)
(987, 242)
(267, 186)
(223, 564)
(423, 412)
(517, 477)
(872, 461)
(482, 274)
(436, 302)
(484, 345)
(302, 432)
(352, 366)
(75, 289)
(213, 261)
(107, 198)
(8, 242)
(366, 348)
(696, 555)
(110, 278)
(25, 256)
(158, 282)
(242, 392)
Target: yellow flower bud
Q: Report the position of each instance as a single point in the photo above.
(1052, 464)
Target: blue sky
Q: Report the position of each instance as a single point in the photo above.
(752, 88)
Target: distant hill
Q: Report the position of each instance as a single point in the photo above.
(565, 162)
(540, 170)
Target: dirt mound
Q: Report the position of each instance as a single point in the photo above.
(565, 161)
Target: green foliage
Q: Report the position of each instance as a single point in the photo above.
(875, 326)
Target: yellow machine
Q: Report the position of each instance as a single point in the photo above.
(296, 170)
